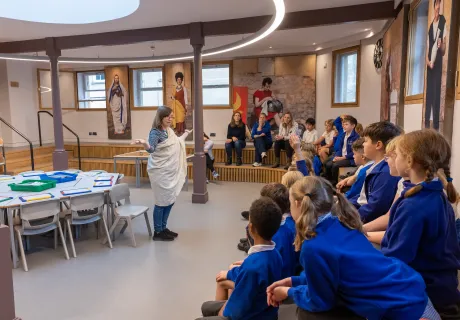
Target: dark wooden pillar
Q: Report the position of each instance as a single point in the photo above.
(60, 157)
(200, 192)
(6, 275)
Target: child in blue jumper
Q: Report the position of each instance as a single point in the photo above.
(356, 181)
(343, 155)
(380, 186)
(343, 274)
(421, 231)
(261, 268)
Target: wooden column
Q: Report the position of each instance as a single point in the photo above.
(60, 157)
(200, 193)
(6, 276)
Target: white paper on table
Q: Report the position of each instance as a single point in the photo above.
(75, 191)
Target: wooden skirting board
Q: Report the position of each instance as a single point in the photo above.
(109, 151)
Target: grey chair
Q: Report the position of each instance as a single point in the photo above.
(85, 209)
(126, 212)
(38, 218)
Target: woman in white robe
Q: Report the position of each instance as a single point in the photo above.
(167, 169)
(117, 100)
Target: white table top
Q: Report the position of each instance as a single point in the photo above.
(84, 180)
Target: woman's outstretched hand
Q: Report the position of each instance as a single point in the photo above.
(142, 142)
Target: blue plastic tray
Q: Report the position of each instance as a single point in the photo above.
(59, 177)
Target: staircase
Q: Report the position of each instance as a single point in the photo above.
(18, 159)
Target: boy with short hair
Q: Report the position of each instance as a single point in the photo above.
(356, 181)
(343, 156)
(310, 135)
(261, 268)
(379, 187)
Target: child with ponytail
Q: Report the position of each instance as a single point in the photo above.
(344, 276)
(421, 231)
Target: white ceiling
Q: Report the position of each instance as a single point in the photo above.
(154, 13)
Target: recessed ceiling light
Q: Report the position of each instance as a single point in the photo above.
(314, 43)
(70, 12)
(370, 35)
(270, 47)
(319, 48)
(367, 29)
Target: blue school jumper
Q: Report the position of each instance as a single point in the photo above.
(341, 139)
(340, 134)
(342, 268)
(380, 187)
(249, 298)
(421, 232)
(265, 129)
(284, 243)
(358, 185)
(317, 165)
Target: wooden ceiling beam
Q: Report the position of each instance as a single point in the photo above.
(292, 20)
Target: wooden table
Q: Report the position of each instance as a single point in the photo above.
(84, 180)
(138, 157)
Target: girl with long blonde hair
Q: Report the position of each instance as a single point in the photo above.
(344, 276)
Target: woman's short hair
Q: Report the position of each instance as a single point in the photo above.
(266, 81)
(162, 113)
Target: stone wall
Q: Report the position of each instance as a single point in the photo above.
(294, 81)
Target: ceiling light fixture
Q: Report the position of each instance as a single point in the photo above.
(319, 48)
(263, 33)
(370, 35)
(367, 29)
(270, 47)
(314, 43)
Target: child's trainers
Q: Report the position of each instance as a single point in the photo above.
(215, 175)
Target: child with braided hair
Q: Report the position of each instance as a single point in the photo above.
(421, 230)
(344, 276)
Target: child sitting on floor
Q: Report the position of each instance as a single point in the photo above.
(250, 280)
(344, 276)
(208, 144)
(291, 177)
(356, 181)
(312, 154)
(379, 188)
(421, 231)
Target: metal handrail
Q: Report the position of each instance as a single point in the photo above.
(70, 130)
(25, 138)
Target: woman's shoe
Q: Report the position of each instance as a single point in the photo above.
(257, 164)
(277, 163)
(162, 236)
(229, 162)
(239, 162)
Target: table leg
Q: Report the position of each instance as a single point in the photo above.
(14, 253)
(2, 216)
(138, 179)
(114, 165)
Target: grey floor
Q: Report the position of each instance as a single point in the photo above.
(153, 281)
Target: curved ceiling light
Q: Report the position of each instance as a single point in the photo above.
(264, 32)
(70, 12)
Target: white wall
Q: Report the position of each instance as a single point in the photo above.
(370, 88)
(455, 160)
(413, 117)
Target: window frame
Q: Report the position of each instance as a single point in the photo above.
(40, 104)
(77, 100)
(230, 85)
(416, 98)
(336, 53)
(131, 87)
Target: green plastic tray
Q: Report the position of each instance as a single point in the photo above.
(33, 185)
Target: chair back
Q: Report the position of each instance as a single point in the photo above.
(119, 193)
(38, 215)
(87, 206)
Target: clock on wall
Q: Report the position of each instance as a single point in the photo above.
(378, 54)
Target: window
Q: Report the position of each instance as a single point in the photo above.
(417, 50)
(345, 77)
(216, 85)
(91, 90)
(148, 87)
